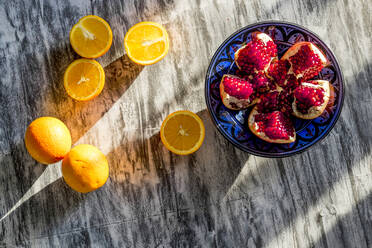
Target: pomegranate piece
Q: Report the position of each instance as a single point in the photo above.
(261, 82)
(236, 93)
(257, 54)
(307, 97)
(275, 125)
(275, 100)
(278, 70)
(285, 102)
(237, 87)
(244, 75)
(311, 99)
(306, 60)
(291, 82)
(268, 102)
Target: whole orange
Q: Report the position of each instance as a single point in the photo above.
(48, 140)
(85, 168)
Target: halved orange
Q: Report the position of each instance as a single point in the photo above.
(84, 79)
(182, 132)
(146, 43)
(91, 37)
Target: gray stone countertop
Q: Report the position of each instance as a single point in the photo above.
(217, 197)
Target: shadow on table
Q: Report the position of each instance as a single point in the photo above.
(81, 116)
(211, 171)
(146, 180)
(54, 101)
(302, 185)
(55, 208)
(204, 175)
(354, 225)
(78, 116)
(308, 6)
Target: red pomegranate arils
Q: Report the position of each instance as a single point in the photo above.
(306, 62)
(307, 97)
(238, 87)
(244, 75)
(261, 82)
(276, 83)
(278, 70)
(275, 125)
(275, 100)
(291, 82)
(268, 102)
(256, 55)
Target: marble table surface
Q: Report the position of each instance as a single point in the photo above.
(217, 197)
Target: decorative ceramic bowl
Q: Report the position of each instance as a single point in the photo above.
(233, 124)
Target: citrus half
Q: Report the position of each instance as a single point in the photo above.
(84, 79)
(182, 132)
(146, 43)
(91, 37)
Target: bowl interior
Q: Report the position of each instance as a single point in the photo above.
(233, 124)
